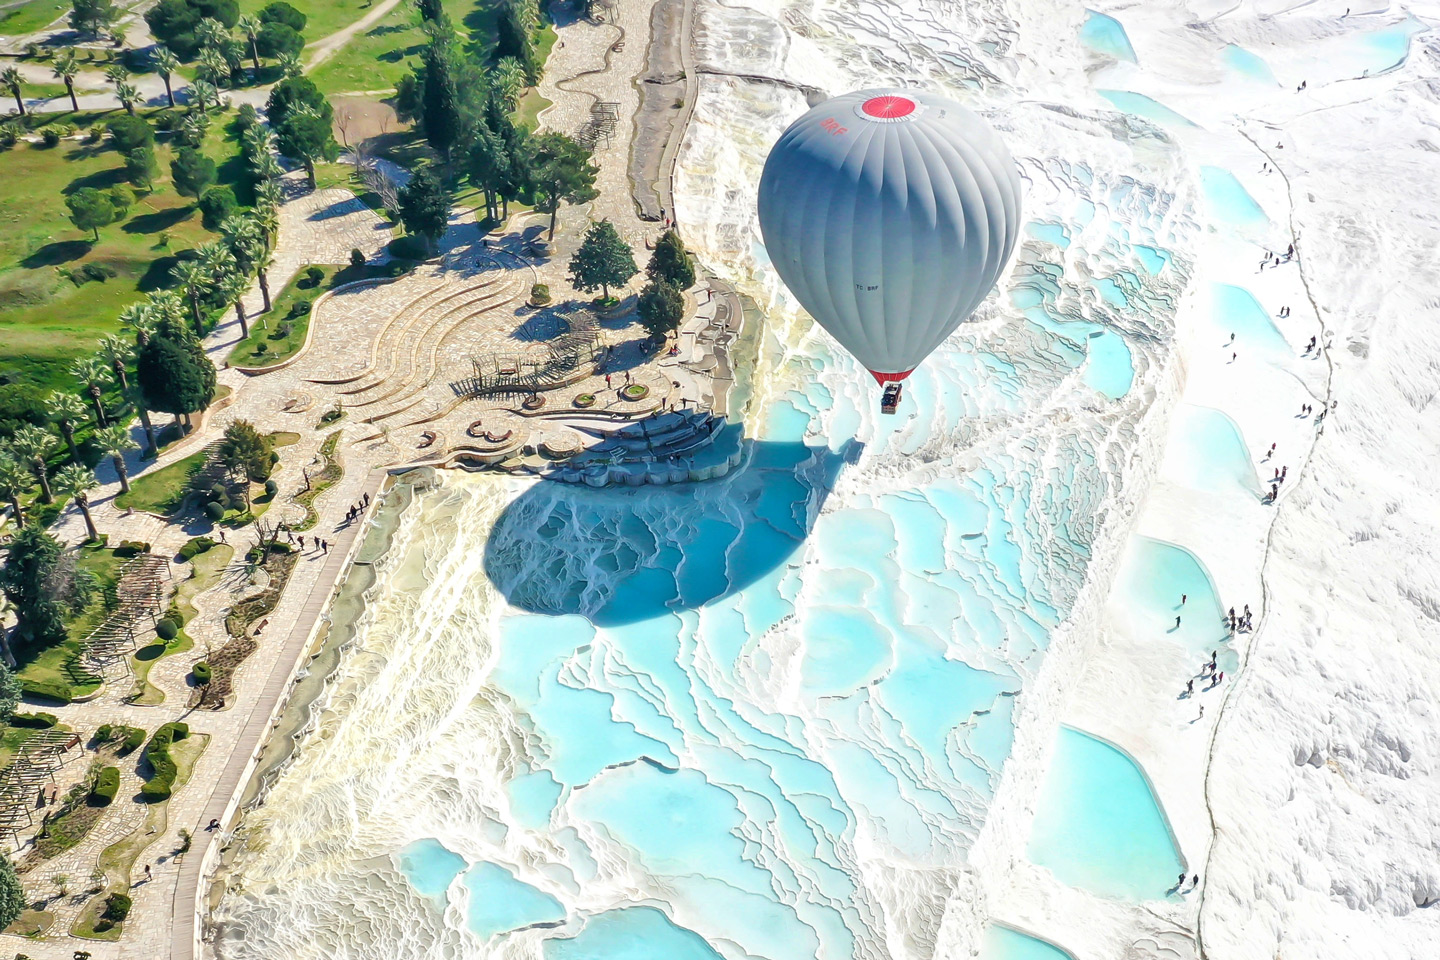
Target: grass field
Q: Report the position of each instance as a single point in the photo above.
(45, 319)
(32, 16)
(324, 17)
(162, 491)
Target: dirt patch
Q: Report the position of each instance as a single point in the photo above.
(360, 118)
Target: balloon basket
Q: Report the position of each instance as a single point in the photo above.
(890, 399)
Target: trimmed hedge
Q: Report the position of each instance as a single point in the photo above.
(202, 671)
(408, 248)
(162, 768)
(107, 784)
(39, 721)
(48, 689)
(215, 510)
(132, 548)
(166, 629)
(195, 546)
(134, 736)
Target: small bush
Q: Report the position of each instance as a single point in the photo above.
(299, 308)
(357, 259)
(539, 293)
(195, 546)
(37, 721)
(117, 906)
(48, 689)
(50, 136)
(95, 134)
(102, 925)
(166, 630)
(216, 204)
(202, 671)
(407, 248)
(107, 784)
(104, 732)
(216, 510)
(271, 488)
(281, 331)
(246, 117)
(99, 272)
(217, 491)
(313, 276)
(132, 548)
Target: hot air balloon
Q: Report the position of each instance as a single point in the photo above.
(889, 214)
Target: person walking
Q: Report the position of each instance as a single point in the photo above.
(1177, 623)
(1183, 597)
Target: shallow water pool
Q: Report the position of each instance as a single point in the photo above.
(1098, 826)
(1228, 201)
(1153, 576)
(1247, 64)
(1110, 368)
(634, 933)
(1003, 943)
(1106, 35)
(1235, 310)
(500, 903)
(430, 866)
(1207, 452)
(1143, 106)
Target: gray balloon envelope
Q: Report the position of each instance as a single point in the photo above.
(889, 214)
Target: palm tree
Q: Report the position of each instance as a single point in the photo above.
(250, 26)
(204, 95)
(151, 447)
(508, 78)
(166, 63)
(14, 481)
(67, 410)
(76, 482)
(117, 73)
(12, 79)
(141, 318)
(113, 441)
(290, 65)
(115, 353)
(212, 66)
(166, 305)
(65, 68)
(32, 446)
(211, 33)
(234, 287)
(192, 277)
(128, 94)
(91, 372)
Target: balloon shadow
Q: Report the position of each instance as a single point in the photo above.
(621, 555)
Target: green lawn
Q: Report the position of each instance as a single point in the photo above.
(324, 17)
(32, 16)
(162, 491)
(281, 332)
(45, 319)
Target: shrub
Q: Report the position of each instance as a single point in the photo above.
(102, 925)
(202, 671)
(216, 204)
(99, 272)
(131, 548)
(166, 629)
(408, 248)
(104, 732)
(299, 308)
(218, 491)
(247, 116)
(195, 546)
(158, 785)
(215, 510)
(134, 736)
(38, 721)
(271, 488)
(50, 136)
(357, 259)
(117, 906)
(539, 293)
(281, 331)
(313, 276)
(95, 134)
(9, 135)
(48, 689)
(107, 784)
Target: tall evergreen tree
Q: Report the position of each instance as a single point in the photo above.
(440, 109)
(175, 375)
(28, 579)
(602, 260)
(661, 308)
(670, 262)
(559, 170)
(425, 207)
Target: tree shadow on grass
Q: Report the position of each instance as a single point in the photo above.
(54, 254)
(100, 180)
(157, 221)
(157, 275)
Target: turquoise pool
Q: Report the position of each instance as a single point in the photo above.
(500, 903)
(1003, 943)
(634, 933)
(1153, 576)
(1228, 201)
(1235, 310)
(1143, 106)
(1247, 64)
(430, 866)
(1207, 452)
(1098, 826)
(1105, 35)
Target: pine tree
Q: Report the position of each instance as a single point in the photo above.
(559, 169)
(425, 207)
(28, 579)
(661, 308)
(602, 260)
(670, 262)
(175, 375)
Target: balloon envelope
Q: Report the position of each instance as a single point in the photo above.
(889, 214)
